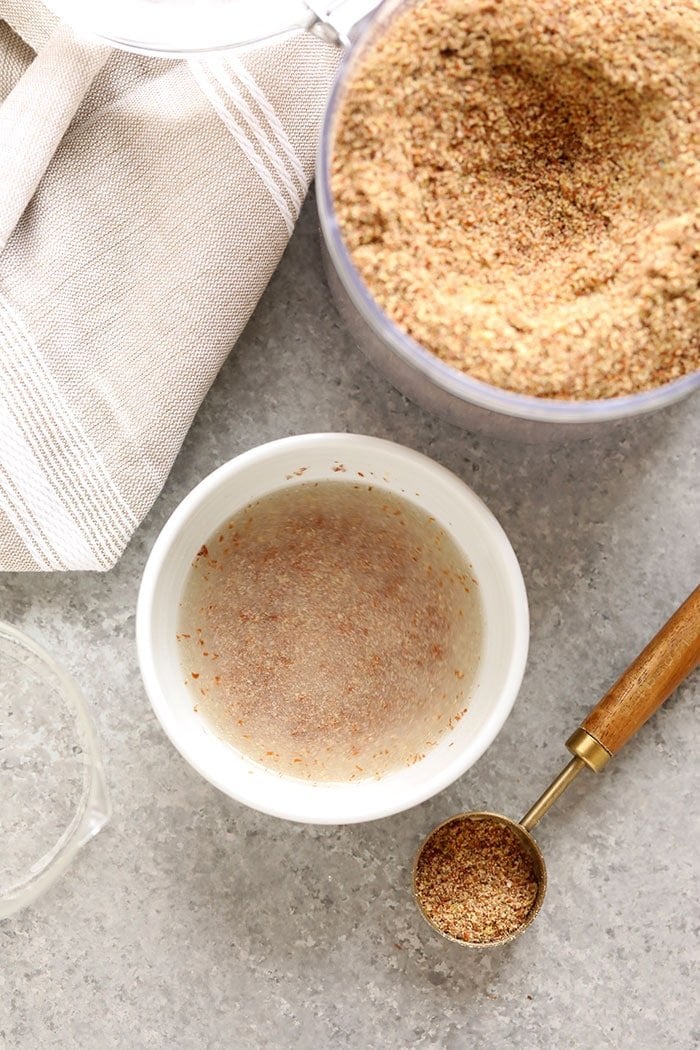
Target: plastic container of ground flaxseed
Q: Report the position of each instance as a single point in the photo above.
(420, 374)
(180, 27)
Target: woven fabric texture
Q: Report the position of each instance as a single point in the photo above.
(133, 268)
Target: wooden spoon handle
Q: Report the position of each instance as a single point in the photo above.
(668, 658)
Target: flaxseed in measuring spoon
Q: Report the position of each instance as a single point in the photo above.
(479, 878)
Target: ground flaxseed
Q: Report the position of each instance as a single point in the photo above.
(518, 181)
(475, 880)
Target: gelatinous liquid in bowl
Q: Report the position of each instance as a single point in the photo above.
(331, 631)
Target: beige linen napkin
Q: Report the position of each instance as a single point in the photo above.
(147, 243)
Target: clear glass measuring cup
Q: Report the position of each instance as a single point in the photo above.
(184, 27)
(53, 796)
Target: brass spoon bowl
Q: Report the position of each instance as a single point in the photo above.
(669, 658)
(529, 846)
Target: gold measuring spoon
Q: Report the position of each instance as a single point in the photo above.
(479, 878)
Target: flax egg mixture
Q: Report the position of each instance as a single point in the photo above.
(331, 631)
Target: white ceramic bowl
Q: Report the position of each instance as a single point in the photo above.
(399, 470)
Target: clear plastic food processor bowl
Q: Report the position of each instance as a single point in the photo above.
(419, 374)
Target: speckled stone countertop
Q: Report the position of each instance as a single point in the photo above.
(191, 922)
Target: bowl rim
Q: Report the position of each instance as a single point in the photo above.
(244, 791)
(451, 380)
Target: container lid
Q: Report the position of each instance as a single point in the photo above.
(176, 27)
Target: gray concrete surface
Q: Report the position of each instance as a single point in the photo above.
(190, 922)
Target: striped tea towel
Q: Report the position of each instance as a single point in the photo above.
(171, 190)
